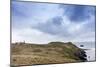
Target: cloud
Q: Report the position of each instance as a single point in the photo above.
(33, 13)
(43, 22)
(52, 26)
(78, 13)
(65, 28)
(33, 36)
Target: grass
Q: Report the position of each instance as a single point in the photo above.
(54, 52)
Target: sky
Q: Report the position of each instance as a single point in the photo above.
(46, 22)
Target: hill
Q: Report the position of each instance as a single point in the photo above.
(53, 52)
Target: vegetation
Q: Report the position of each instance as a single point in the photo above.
(54, 52)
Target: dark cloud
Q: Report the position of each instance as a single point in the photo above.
(52, 26)
(75, 15)
(57, 20)
(78, 13)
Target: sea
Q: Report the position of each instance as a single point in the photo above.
(90, 49)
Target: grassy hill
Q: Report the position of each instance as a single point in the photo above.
(53, 52)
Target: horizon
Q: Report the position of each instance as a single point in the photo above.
(55, 41)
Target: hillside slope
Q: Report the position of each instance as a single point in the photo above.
(54, 52)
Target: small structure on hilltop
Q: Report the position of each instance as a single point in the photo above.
(18, 43)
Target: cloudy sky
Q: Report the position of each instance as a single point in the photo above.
(45, 22)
